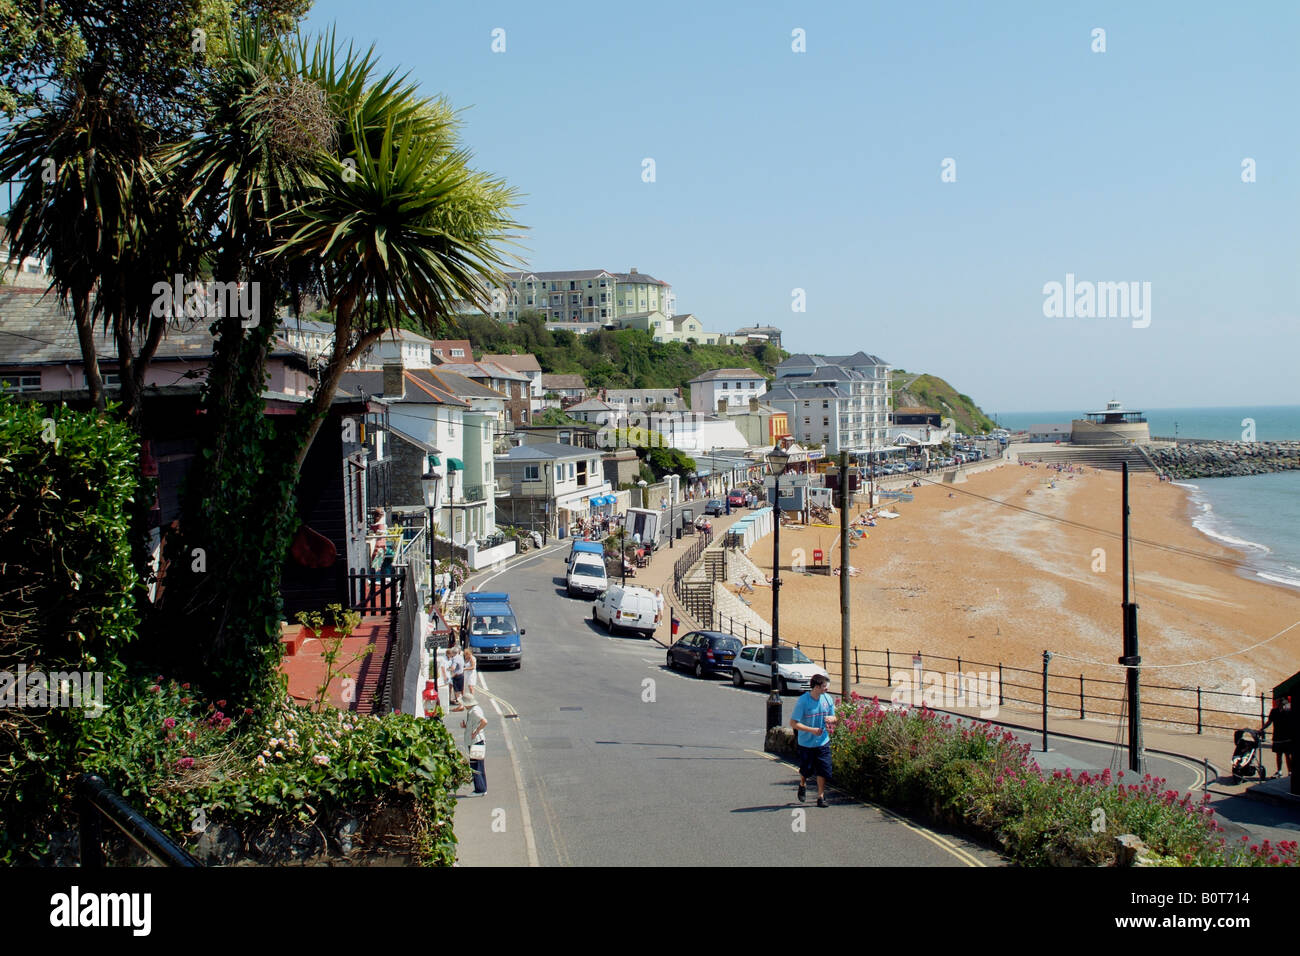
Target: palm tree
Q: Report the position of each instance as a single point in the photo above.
(310, 172)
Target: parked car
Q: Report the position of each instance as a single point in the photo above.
(631, 608)
(795, 670)
(704, 652)
(736, 498)
(715, 507)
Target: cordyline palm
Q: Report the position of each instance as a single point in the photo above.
(399, 227)
(309, 172)
(81, 163)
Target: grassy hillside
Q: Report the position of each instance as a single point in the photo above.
(922, 389)
(628, 358)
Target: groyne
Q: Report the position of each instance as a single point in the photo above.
(1225, 459)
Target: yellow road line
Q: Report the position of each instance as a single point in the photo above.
(939, 841)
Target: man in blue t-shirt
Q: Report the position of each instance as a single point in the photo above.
(814, 719)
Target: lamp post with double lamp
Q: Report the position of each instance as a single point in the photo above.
(777, 460)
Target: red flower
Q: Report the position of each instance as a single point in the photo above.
(185, 763)
(169, 723)
(185, 686)
(221, 704)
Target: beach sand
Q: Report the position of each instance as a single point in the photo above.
(974, 576)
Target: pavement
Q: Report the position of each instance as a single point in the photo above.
(599, 755)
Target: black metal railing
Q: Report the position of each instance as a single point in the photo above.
(375, 592)
(96, 803)
(1072, 694)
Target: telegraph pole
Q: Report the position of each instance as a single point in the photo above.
(844, 574)
(1131, 660)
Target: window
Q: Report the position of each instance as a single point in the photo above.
(603, 313)
(826, 403)
(826, 422)
(805, 421)
(603, 294)
(588, 283)
(457, 353)
(530, 300)
(572, 471)
(724, 388)
(22, 383)
(573, 285)
(530, 473)
(634, 400)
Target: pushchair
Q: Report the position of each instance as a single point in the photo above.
(1248, 755)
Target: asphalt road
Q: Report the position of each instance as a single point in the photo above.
(623, 762)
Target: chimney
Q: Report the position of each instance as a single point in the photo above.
(633, 271)
(394, 380)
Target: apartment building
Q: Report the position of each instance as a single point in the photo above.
(583, 295)
(840, 402)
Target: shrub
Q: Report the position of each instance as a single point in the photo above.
(979, 777)
(66, 603)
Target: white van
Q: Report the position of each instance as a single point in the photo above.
(586, 575)
(634, 609)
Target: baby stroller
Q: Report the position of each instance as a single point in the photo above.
(1247, 755)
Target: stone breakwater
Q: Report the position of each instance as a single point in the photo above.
(1226, 459)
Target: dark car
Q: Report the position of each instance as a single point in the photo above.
(704, 652)
(736, 498)
(715, 507)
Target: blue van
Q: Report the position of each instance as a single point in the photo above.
(488, 626)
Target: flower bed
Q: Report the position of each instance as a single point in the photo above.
(978, 778)
(288, 785)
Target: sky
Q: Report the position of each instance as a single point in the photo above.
(822, 171)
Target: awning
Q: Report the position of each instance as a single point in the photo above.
(455, 464)
(434, 461)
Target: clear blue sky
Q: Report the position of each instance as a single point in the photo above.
(821, 170)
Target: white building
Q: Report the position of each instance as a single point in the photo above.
(838, 402)
(734, 386)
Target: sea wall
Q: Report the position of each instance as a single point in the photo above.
(1224, 459)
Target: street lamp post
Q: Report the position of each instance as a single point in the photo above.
(429, 483)
(777, 459)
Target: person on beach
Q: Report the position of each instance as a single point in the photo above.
(475, 723)
(813, 719)
(1283, 732)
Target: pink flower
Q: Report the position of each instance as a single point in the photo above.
(185, 763)
(169, 723)
(221, 704)
(156, 689)
(185, 686)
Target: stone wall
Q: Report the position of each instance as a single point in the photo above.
(1223, 459)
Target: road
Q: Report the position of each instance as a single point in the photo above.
(623, 762)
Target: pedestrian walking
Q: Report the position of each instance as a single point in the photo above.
(660, 602)
(1283, 722)
(476, 742)
(444, 670)
(457, 677)
(814, 719)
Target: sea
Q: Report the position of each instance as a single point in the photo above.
(1259, 514)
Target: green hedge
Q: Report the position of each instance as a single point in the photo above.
(66, 606)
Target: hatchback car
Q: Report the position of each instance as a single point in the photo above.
(736, 498)
(794, 669)
(715, 507)
(704, 652)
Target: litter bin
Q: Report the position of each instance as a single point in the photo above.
(679, 534)
(562, 531)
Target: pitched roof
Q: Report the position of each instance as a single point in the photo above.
(458, 385)
(482, 370)
(553, 380)
(591, 405)
(417, 391)
(35, 329)
(517, 363)
(547, 450)
(721, 373)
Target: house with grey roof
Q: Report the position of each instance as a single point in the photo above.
(566, 388)
(549, 485)
(589, 296)
(726, 388)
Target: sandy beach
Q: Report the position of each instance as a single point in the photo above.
(982, 571)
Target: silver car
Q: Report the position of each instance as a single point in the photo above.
(795, 670)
